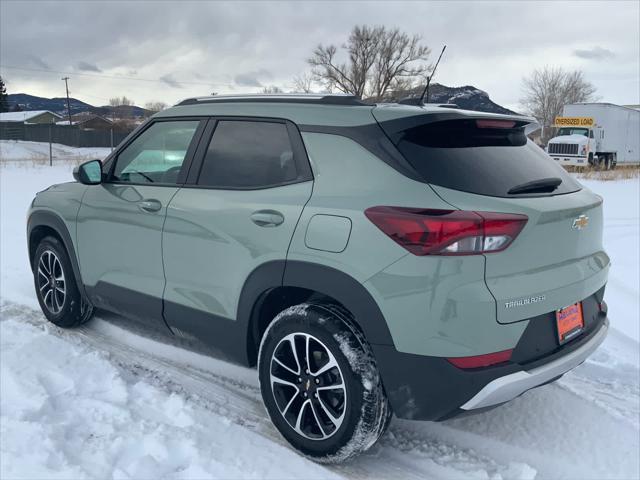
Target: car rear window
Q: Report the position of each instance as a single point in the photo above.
(480, 156)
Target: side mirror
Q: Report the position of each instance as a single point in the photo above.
(89, 173)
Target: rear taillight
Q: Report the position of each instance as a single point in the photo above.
(447, 232)
(480, 361)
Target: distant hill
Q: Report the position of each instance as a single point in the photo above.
(467, 97)
(59, 105)
(31, 102)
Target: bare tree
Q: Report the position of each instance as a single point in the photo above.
(121, 107)
(155, 106)
(379, 59)
(547, 91)
(303, 83)
(4, 98)
(120, 101)
(272, 89)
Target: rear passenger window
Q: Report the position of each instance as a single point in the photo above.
(246, 154)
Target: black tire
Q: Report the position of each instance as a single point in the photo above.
(63, 305)
(362, 405)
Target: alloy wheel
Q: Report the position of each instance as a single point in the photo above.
(51, 282)
(308, 386)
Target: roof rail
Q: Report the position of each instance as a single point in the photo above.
(320, 99)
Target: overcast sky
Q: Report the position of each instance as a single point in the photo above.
(167, 51)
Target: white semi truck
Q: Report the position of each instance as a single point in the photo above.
(599, 134)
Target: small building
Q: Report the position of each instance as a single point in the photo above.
(30, 117)
(89, 122)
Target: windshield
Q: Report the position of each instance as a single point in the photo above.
(573, 131)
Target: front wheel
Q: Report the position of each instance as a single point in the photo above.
(320, 383)
(56, 288)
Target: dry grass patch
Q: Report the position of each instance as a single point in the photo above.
(620, 173)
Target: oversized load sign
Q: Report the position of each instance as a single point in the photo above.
(574, 122)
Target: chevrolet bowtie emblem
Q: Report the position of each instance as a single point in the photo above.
(580, 222)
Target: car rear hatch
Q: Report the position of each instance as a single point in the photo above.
(484, 163)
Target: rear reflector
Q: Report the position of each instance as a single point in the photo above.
(480, 361)
(447, 232)
(602, 306)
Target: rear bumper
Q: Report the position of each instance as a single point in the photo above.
(430, 388)
(510, 386)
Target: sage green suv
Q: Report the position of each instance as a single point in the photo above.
(369, 259)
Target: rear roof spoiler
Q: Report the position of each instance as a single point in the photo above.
(396, 120)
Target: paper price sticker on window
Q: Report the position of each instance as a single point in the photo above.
(574, 122)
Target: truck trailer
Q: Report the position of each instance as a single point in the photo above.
(598, 134)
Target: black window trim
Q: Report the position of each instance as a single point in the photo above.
(372, 138)
(111, 160)
(300, 156)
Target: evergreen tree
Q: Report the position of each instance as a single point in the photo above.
(4, 98)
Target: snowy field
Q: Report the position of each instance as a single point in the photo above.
(29, 153)
(111, 401)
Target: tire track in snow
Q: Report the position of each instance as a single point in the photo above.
(213, 385)
(480, 446)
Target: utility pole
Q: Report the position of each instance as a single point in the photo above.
(66, 84)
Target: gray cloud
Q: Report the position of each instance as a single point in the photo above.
(252, 79)
(214, 46)
(594, 53)
(87, 67)
(37, 61)
(247, 80)
(169, 80)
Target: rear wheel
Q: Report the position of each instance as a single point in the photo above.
(56, 288)
(320, 383)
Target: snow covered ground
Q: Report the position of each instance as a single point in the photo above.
(37, 152)
(112, 401)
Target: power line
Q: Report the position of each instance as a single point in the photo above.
(79, 93)
(114, 77)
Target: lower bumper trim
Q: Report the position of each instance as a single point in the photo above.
(510, 386)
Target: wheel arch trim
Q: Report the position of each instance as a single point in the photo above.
(319, 279)
(46, 218)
